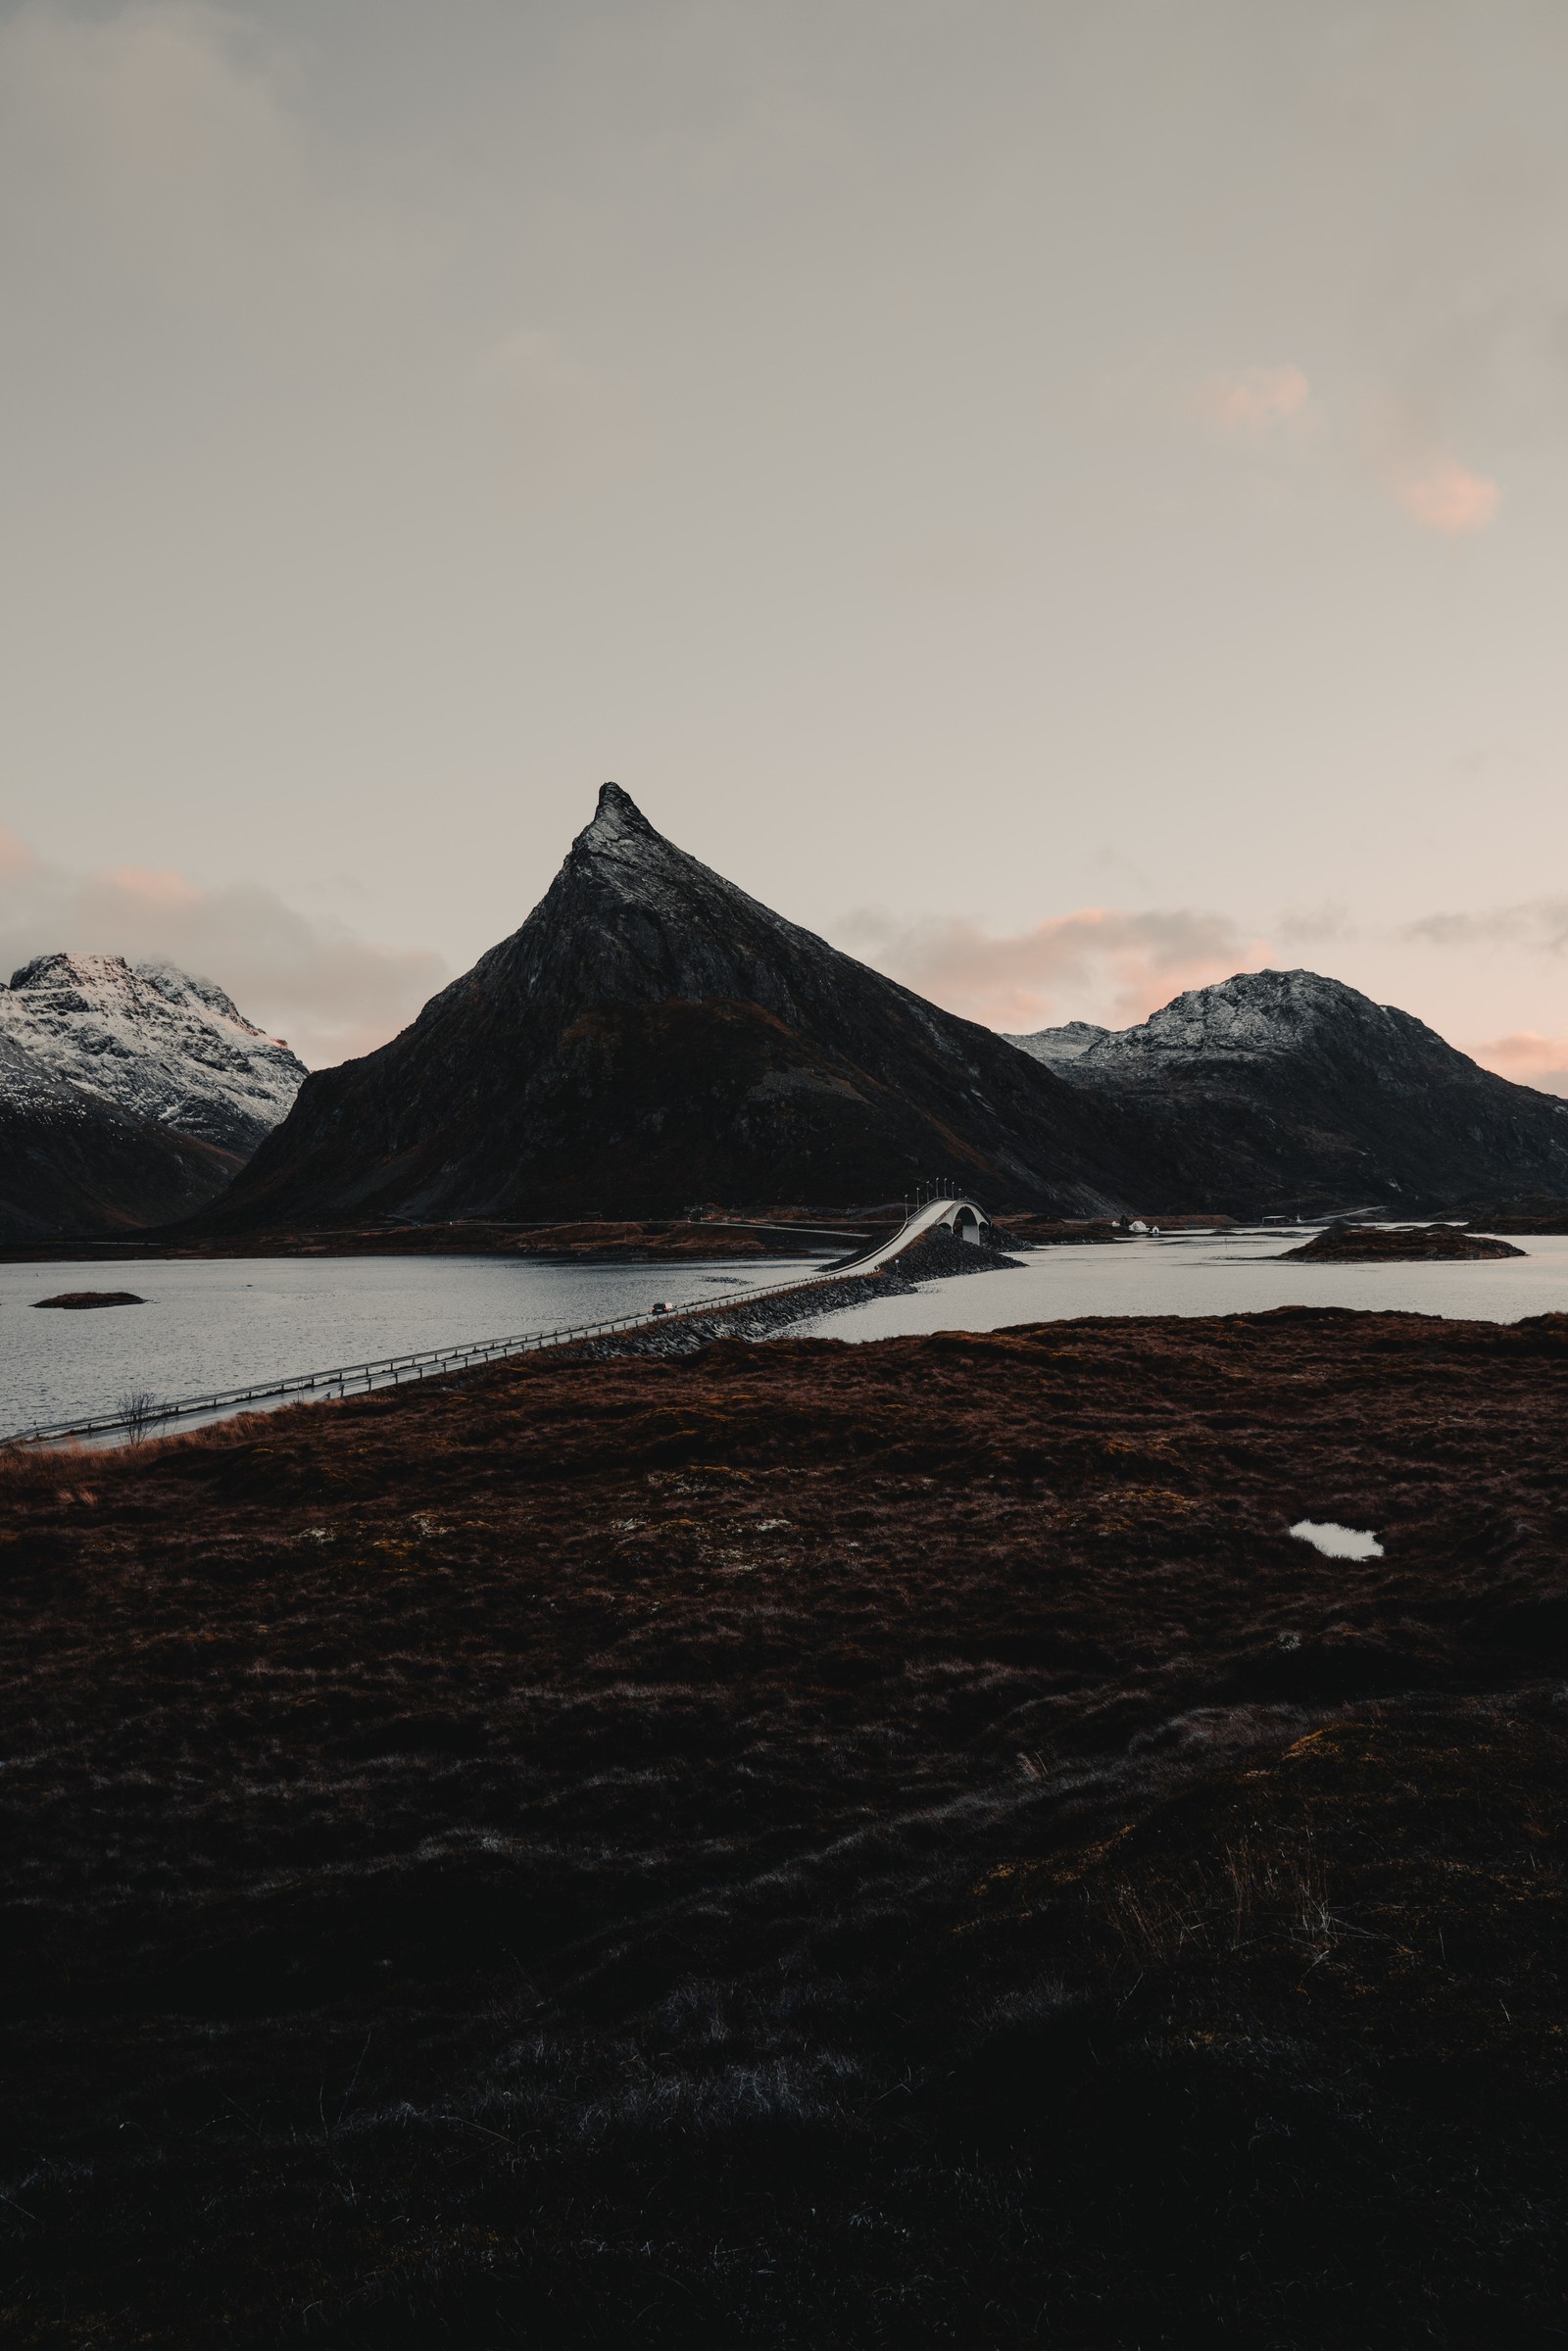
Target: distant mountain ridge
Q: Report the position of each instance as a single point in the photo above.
(652, 1036)
(1285, 1089)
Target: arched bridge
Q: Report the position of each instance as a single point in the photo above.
(964, 1219)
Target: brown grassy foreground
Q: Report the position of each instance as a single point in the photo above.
(802, 1845)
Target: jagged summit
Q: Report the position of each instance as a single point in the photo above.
(168, 1047)
(653, 1035)
(616, 819)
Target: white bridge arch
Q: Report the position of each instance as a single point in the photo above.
(964, 1219)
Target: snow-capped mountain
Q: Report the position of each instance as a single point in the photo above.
(1282, 1089)
(169, 1050)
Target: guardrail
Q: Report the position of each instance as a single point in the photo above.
(390, 1371)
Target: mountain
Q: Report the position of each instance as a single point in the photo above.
(171, 1050)
(651, 1037)
(130, 1095)
(74, 1163)
(1281, 1089)
(1070, 1043)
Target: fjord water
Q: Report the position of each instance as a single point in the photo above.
(1207, 1273)
(227, 1322)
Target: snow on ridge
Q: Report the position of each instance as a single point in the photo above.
(160, 1043)
(1068, 1043)
(1252, 1012)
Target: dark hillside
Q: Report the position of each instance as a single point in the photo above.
(72, 1162)
(804, 1845)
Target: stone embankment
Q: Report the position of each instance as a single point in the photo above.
(930, 1258)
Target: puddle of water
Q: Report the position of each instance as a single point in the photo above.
(1335, 1542)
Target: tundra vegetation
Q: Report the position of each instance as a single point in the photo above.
(803, 1845)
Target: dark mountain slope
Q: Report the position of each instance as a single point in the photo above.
(652, 1036)
(1282, 1090)
(72, 1162)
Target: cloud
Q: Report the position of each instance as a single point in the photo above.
(1527, 1058)
(330, 994)
(1537, 923)
(1260, 401)
(1124, 965)
(1445, 496)
(1422, 475)
(1327, 924)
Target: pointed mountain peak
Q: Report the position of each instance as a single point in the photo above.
(616, 819)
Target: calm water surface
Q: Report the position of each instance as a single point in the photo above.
(1209, 1274)
(227, 1323)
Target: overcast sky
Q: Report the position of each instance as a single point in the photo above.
(1067, 500)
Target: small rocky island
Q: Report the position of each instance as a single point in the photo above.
(1385, 1245)
(92, 1298)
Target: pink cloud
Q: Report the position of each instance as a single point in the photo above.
(1259, 399)
(1528, 1059)
(164, 887)
(1445, 496)
(1097, 961)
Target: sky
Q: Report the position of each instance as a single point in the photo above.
(1066, 498)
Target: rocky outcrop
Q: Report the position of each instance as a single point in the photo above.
(1280, 1091)
(653, 1036)
(1384, 1245)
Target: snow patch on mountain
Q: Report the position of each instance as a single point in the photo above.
(1068, 1043)
(158, 1041)
(1255, 1013)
